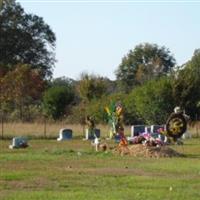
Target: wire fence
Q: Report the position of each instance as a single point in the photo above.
(50, 130)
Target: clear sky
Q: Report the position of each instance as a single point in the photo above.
(94, 36)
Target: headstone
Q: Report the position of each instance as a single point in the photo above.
(19, 142)
(137, 129)
(91, 136)
(147, 129)
(97, 132)
(186, 135)
(117, 138)
(155, 128)
(65, 134)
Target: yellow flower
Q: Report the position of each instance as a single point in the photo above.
(107, 110)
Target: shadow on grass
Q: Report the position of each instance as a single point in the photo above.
(192, 156)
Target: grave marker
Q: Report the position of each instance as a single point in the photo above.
(90, 136)
(19, 142)
(65, 134)
(137, 129)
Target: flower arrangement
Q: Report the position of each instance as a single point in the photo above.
(115, 117)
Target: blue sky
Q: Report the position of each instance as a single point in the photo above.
(93, 37)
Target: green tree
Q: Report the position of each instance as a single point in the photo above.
(187, 85)
(63, 81)
(142, 64)
(91, 87)
(153, 101)
(56, 100)
(25, 38)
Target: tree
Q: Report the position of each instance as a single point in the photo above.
(56, 99)
(153, 101)
(91, 87)
(63, 81)
(96, 108)
(21, 86)
(186, 84)
(25, 38)
(144, 63)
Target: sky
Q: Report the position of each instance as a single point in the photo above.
(94, 36)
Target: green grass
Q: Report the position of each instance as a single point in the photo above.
(72, 170)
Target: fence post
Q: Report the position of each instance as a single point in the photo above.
(2, 128)
(45, 127)
(197, 128)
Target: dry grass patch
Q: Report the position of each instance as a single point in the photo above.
(50, 130)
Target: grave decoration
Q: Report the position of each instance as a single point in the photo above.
(96, 143)
(115, 117)
(147, 144)
(153, 143)
(176, 125)
(160, 135)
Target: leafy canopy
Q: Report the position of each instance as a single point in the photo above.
(153, 102)
(56, 99)
(91, 87)
(143, 63)
(186, 84)
(25, 38)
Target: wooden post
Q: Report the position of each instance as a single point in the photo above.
(2, 128)
(45, 127)
(197, 131)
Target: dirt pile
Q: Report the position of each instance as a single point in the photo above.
(140, 150)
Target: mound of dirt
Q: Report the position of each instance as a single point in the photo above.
(140, 150)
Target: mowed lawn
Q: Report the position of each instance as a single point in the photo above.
(73, 170)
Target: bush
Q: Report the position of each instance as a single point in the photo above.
(153, 101)
(56, 99)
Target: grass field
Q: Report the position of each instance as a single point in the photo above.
(72, 170)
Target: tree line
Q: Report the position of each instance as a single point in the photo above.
(148, 82)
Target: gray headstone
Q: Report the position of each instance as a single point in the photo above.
(91, 135)
(65, 134)
(117, 138)
(19, 142)
(186, 135)
(97, 132)
(137, 129)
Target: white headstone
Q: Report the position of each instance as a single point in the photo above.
(147, 129)
(65, 134)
